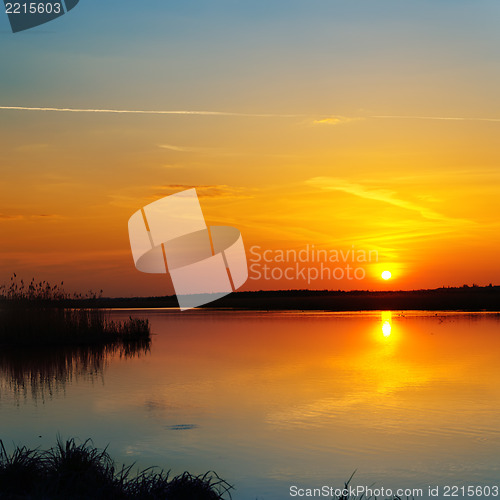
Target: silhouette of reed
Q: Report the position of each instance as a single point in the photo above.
(78, 471)
(42, 314)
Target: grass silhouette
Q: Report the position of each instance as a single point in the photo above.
(81, 471)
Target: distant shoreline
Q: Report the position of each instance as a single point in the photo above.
(469, 299)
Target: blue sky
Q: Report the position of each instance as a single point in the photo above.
(254, 55)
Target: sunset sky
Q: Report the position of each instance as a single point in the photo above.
(326, 123)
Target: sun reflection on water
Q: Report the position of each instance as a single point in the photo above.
(386, 329)
(386, 318)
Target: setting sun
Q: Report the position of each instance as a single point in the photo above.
(386, 275)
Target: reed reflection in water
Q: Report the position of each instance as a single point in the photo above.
(42, 372)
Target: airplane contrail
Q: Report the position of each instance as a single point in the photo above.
(149, 112)
(228, 113)
(445, 118)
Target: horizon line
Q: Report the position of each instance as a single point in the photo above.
(325, 290)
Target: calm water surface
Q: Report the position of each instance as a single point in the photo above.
(273, 399)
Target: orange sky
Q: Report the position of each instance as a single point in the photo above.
(407, 189)
(314, 146)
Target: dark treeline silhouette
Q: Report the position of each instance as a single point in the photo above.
(465, 298)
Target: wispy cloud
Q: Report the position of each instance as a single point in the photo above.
(335, 120)
(443, 118)
(463, 174)
(30, 217)
(147, 112)
(374, 193)
(339, 120)
(11, 217)
(171, 147)
(133, 197)
(207, 191)
(192, 149)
